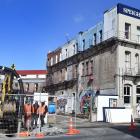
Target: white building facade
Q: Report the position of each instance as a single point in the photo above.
(123, 22)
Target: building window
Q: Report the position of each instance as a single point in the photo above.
(95, 39)
(86, 68)
(101, 35)
(138, 94)
(36, 87)
(74, 49)
(83, 44)
(113, 24)
(77, 49)
(66, 53)
(83, 69)
(66, 74)
(56, 59)
(127, 30)
(60, 75)
(27, 87)
(127, 62)
(91, 67)
(60, 57)
(75, 71)
(48, 62)
(51, 61)
(138, 33)
(137, 63)
(127, 94)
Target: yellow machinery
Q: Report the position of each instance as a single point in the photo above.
(8, 95)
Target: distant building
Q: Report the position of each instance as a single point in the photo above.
(33, 80)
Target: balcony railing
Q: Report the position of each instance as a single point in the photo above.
(132, 72)
(127, 36)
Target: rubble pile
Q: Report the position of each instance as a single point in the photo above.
(50, 131)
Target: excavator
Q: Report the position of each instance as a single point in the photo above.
(11, 100)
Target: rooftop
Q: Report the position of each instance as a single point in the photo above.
(31, 72)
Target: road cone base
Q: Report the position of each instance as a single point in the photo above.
(73, 132)
(24, 134)
(39, 135)
(132, 127)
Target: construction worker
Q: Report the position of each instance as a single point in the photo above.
(42, 110)
(27, 115)
(35, 114)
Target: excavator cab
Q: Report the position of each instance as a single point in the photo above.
(11, 100)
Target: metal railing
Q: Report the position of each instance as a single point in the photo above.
(123, 35)
(132, 71)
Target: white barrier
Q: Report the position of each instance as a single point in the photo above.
(118, 115)
(103, 101)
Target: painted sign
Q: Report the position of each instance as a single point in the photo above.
(129, 11)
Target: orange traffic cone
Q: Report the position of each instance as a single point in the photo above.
(24, 134)
(132, 125)
(71, 130)
(39, 135)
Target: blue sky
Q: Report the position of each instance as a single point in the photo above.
(29, 29)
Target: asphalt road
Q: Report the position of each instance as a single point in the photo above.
(92, 131)
(106, 133)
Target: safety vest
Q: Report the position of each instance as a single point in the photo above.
(41, 110)
(28, 109)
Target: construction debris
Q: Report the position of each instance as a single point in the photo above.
(49, 131)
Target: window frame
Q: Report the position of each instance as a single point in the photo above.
(138, 35)
(128, 62)
(137, 94)
(84, 44)
(137, 63)
(95, 38)
(91, 66)
(127, 30)
(87, 68)
(127, 86)
(101, 35)
(83, 69)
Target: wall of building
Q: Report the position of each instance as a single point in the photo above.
(86, 39)
(134, 23)
(115, 19)
(110, 23)
(132, 73)
(54, 57)
(69, 49)
(102, 74)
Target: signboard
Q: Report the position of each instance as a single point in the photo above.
(112, 102)
(129, 11)
(41, 97)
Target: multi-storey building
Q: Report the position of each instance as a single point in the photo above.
(107, 60)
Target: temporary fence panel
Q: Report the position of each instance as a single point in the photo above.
(40, 114)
